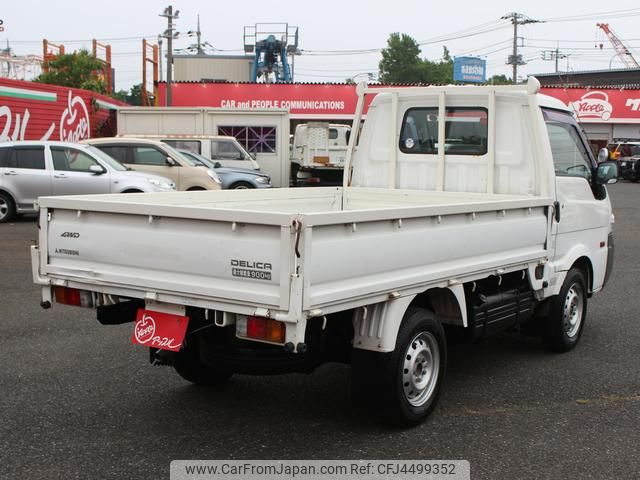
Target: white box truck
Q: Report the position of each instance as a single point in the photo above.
(318, 153)
(465, 210)
(263, 133)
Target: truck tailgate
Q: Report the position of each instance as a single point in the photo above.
(247, 259)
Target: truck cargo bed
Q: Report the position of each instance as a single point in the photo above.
(289, 251)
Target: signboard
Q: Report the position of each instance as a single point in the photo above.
(304, 101)
(600, 105)
(327, 101)
(37, 111)
(469, 69)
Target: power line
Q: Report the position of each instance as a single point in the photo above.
(630, 12)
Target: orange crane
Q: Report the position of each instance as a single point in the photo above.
(621, 50)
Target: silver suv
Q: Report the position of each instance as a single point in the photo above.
(33, 169)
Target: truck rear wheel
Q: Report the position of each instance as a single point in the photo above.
(404, 385)
(189, 366)
(567, 313)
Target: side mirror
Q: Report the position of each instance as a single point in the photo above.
(171, 162)
(217, 165)
(606, 173)
(97, 169)
(603, 155)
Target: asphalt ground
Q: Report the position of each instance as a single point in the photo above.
(78, 400)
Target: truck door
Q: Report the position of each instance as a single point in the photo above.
(584, 219)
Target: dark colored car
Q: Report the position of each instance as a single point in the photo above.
(627, 154)
(232, 178)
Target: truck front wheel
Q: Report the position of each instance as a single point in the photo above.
(404, 385)
(567, 313)
(189, 366)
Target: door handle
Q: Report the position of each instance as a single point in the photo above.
(556, 211)
(60, 175)
(11, 172)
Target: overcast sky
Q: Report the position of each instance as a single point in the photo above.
(333, 34)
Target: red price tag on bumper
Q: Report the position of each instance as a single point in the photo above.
(159, 330)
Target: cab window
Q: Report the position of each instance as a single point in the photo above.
(568, 147)
(465, 131)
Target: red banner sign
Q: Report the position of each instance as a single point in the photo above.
(339, 101)
(600, 105)
(302, 101)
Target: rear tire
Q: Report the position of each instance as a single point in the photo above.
(188, 365)
(404, 385)
(567, 314)
(7, 208)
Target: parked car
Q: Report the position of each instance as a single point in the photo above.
(156, 157)
(219, 148)
(32, 169)
(232, 178)
(627, 154)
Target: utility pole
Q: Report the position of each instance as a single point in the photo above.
(554, 55)
(170, 34)
(160, 37)
(200, 50)
(515, 59)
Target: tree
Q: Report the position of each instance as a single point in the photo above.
(499, 80)
(401, 62)
(133, 96)
(438, 72)
(75, 70)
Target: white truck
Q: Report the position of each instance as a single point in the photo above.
(318, 153)
(263, 133)
(465, 211)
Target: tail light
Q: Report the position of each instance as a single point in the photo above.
(312, 180)
(261, 328)
(73, 296)
(321, 159)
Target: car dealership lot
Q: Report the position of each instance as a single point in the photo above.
(78, 399)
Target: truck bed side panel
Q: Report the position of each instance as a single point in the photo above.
(386, 256)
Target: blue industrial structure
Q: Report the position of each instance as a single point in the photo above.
(271, 44)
